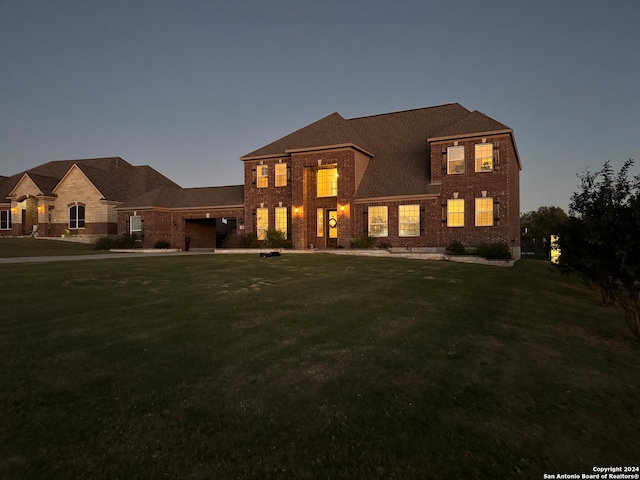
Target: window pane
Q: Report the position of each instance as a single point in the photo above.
(135, 226)
(262, 222)
(80, 209)
(281, 220)
(484, 157)
(484, 212)
(263, 176)
(320, 227)
(409, 218)
(455, 213)
(281, 174)
(73, 215)
(455, 160)
(327, 185)
(378, 225)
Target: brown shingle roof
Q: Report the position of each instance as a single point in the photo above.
(397, 141)
(475, 122)
(330, 130)
(114, 177)
(172, 197)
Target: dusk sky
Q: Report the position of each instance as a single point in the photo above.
(188, 87)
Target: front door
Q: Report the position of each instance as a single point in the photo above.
(332, 228)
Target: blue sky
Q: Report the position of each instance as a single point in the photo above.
(188, 87)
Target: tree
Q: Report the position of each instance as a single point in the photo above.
(601, 240)
(539, 225)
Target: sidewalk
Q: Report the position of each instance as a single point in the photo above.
(96, 256)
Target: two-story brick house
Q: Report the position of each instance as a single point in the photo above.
(418, 179)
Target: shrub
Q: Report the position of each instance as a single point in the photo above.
(250, 240)
(385, 245)
(493, 251)
(455, 248)
(365, 241)
(125, 241)
(275, 239)
(105, 243)
(162, 244)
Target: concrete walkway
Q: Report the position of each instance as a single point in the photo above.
(97, 256)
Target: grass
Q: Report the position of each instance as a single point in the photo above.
(309, 366)
(32, 247)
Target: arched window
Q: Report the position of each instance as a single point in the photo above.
(76, 216)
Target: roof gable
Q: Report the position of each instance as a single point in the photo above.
(74, 171)
(25, 186)
(331, 130)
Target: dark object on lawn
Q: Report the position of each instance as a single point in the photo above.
(270, 254)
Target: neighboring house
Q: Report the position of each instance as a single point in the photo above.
(417, 179)
(75, 195)
(186, 218)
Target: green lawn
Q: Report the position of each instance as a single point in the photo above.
(310, 366)
(38, 247)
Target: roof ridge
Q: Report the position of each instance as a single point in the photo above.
(408, 110)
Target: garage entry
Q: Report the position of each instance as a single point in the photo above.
(208, 233)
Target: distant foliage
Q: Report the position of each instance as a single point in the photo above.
(601, 240)
(455, 248)
(364, 241)
(162, 244)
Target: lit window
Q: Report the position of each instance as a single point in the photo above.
(262, 222)
(5, 219)
(409, 219)
(455, 160)
(281, 174)
(263, 176)
(378, 222)
(484, 212)
(281, 220)
(327, 182)
(455, 213)
(76, 216)
(135, 227)
(484, 157)
(320, 223)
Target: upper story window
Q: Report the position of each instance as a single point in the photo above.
(484, 212)
(262, 222)
(5, 220)
(76, 216)
(135, 227)
(409, 220)
(263, 176)
(455, 212)
(455, 160)
(378, 221)
(327, 185)
(281, 174)
(484, 157)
